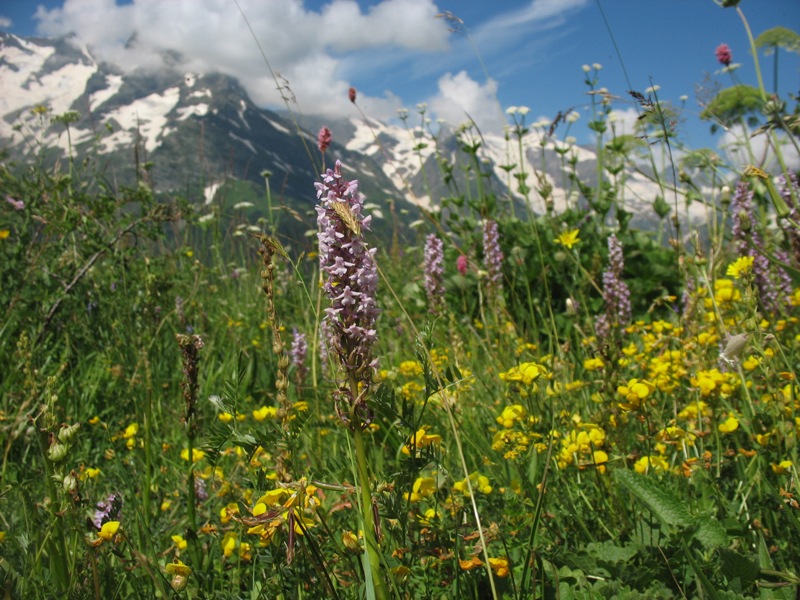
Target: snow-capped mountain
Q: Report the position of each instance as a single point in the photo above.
(190, 133)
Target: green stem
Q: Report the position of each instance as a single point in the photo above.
(57, 545)
(370, 541)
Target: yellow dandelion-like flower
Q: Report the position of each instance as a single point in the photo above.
(740, 267)
(568, 238)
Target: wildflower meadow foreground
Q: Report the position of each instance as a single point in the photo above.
(493, 403)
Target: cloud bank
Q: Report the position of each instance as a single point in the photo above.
(319, 53)
(304, 46)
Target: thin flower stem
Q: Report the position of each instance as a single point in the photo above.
(370, 540)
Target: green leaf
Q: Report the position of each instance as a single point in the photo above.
(711, 533)
(665, 506)
(737, 566)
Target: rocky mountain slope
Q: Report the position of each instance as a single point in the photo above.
(192, 133)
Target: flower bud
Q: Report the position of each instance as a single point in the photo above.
(57, 452)
(69, 483)
(67, 433)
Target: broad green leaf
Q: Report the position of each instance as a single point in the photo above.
(664, 505)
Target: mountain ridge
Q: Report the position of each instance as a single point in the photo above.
(194, 131)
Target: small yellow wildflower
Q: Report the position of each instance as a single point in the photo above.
(410, 368)
(634, 393)
(730, 425)
(225, 417)
(568, 238)
(264, 412)
(92, 472)
(593, 364)
(525, 373)
(511, 414)
(106, 533)
(740, 267)
(197, 455)
(228, 544)
(180, 542)
(350, 541)
(472, 563)
(499, 566)
(424, 487)
(180, 575)
(646, 463)
(420, 440)
(782, 467)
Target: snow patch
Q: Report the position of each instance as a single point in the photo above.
(113, 84)
(148, 115)
(22, 87)
(197, 110)
(210, 191)
(277, 126)
(247, 143)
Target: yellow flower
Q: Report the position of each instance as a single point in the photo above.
(225, 417)
(4, 233)
(420, 440)
(423, 488)
(730, 425)
(91, 472)
(782, 467)
(264, 412)
(410, 368)
(593, 364)
(499, 566)
(180, 575)
(2, 536)
(180, 543)
(108, 531)
(656, 463)
(472, 563)
(568, 238)
(525, 373)
(228, 544)
(178, 568)
(511, 414)
(634, 393)
(165, 505)
(350, 541)
(197, 455)
(741, 266)
(600, 459)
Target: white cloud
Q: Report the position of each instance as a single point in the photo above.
(461, 98)
(741, 149)
(537, 15)
(5, 22)
(304, 46)
(624, 121)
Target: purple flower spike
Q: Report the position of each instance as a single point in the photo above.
(493, 258)
(774, 284)
(616, 293)
(434, 273)
(350, 274)
(299, 352)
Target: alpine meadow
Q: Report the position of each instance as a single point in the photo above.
(259, 354)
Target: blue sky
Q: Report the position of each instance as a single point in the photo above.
(397, 53)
